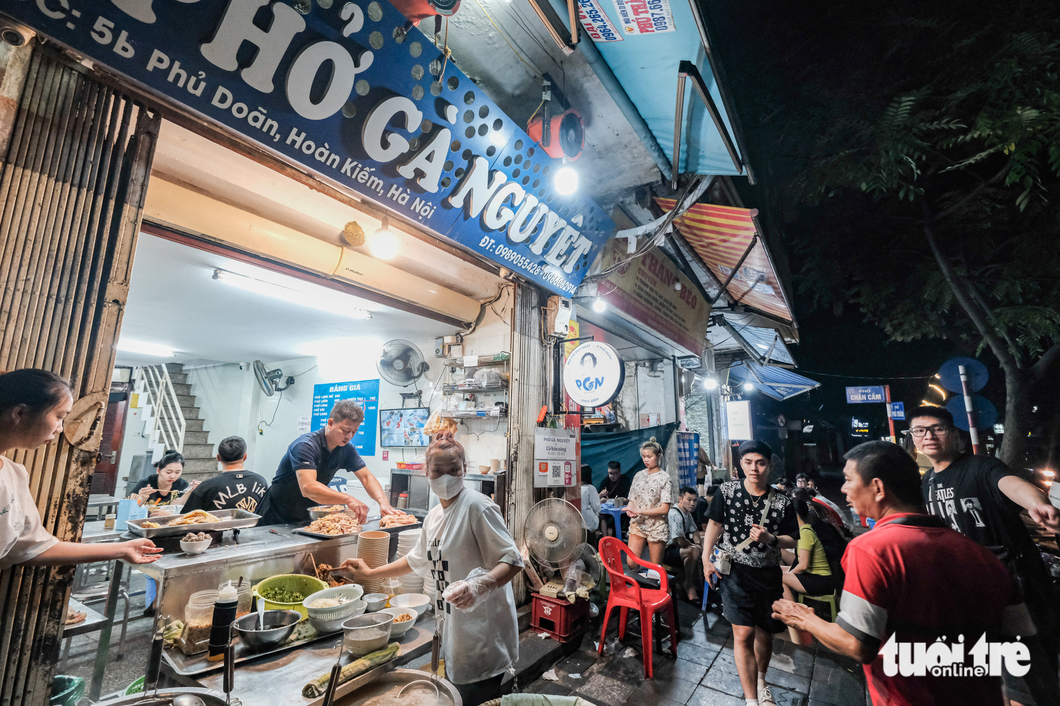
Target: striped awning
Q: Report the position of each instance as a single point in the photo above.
(778, 383)
(721, 235)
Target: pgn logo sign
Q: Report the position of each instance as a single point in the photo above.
(589, 384)
(593, 374)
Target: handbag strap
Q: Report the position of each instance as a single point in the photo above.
(765, 513)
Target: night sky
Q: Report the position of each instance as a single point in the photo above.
(770, 52)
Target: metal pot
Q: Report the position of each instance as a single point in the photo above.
(278, 626)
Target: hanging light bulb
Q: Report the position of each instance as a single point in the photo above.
(566, 180)
(747, 387)
(599, 305)
(711, 383)
(384, 245)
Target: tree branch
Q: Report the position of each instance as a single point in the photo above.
(969, 281)
(974, 192)
(1004, 356)
(1048, 359)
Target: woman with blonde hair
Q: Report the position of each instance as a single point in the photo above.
(650, 496)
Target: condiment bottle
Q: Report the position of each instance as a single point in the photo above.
(108, 521)
(403, 501)
(224, 613)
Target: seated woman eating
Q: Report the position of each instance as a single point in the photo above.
(165, 486)
(466, 549)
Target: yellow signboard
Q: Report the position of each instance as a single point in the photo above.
(652, 292)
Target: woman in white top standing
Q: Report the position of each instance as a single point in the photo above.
(466, 549)
(33, 405)
(650, 496)
(590, 501)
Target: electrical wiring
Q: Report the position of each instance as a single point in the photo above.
(274, 411)
(521, 22)
(482, 310)
(505, 38)
(683, 203)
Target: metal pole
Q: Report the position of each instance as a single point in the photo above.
(678, 118)
(735, 270)
(970, 409)
(890, 419)
(677, 392)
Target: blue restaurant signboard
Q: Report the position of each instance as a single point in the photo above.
(355, 93)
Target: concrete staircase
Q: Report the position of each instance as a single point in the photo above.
(200, 461)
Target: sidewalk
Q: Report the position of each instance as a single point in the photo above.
(704, 673)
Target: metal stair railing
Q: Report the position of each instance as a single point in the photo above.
(169, 423)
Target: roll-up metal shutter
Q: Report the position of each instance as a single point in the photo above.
(71, 194)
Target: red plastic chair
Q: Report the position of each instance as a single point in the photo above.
(833, 516)
(626, 593)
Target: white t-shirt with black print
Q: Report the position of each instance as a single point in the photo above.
(467, 535)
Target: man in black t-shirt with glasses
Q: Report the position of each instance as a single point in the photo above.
(982, 498)
(750, 523)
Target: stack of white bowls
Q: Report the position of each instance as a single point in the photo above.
(410, 582)
(374, 548)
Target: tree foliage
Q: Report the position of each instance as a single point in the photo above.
(915, 148)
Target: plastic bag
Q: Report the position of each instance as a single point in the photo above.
(489, 377)
(468, 593)
(436, 424)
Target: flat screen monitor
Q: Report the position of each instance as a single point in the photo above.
(403, 427)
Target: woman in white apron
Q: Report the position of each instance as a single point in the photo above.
(466, 549)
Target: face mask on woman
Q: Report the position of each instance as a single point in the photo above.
(446, 487)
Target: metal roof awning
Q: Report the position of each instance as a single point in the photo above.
(778, 383)
(728, 240)
(660, 54)
(761, 345)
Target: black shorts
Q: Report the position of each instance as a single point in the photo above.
(672, 557)
(816, 585)
(748, 594)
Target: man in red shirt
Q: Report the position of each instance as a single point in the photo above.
(913, 584)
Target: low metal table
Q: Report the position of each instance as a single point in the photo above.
(99, 501)
(93, 621)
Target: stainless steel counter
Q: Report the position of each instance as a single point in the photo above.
(278, 679)
(253, 554)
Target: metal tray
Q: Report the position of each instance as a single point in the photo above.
(230, 519)
(390, 683)
(371, 526)
(192, 665)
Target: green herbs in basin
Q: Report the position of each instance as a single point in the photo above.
(278, 594)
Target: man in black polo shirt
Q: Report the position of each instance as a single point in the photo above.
(751, 523)
(981, 497)
(311, 462)
(235, 488)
